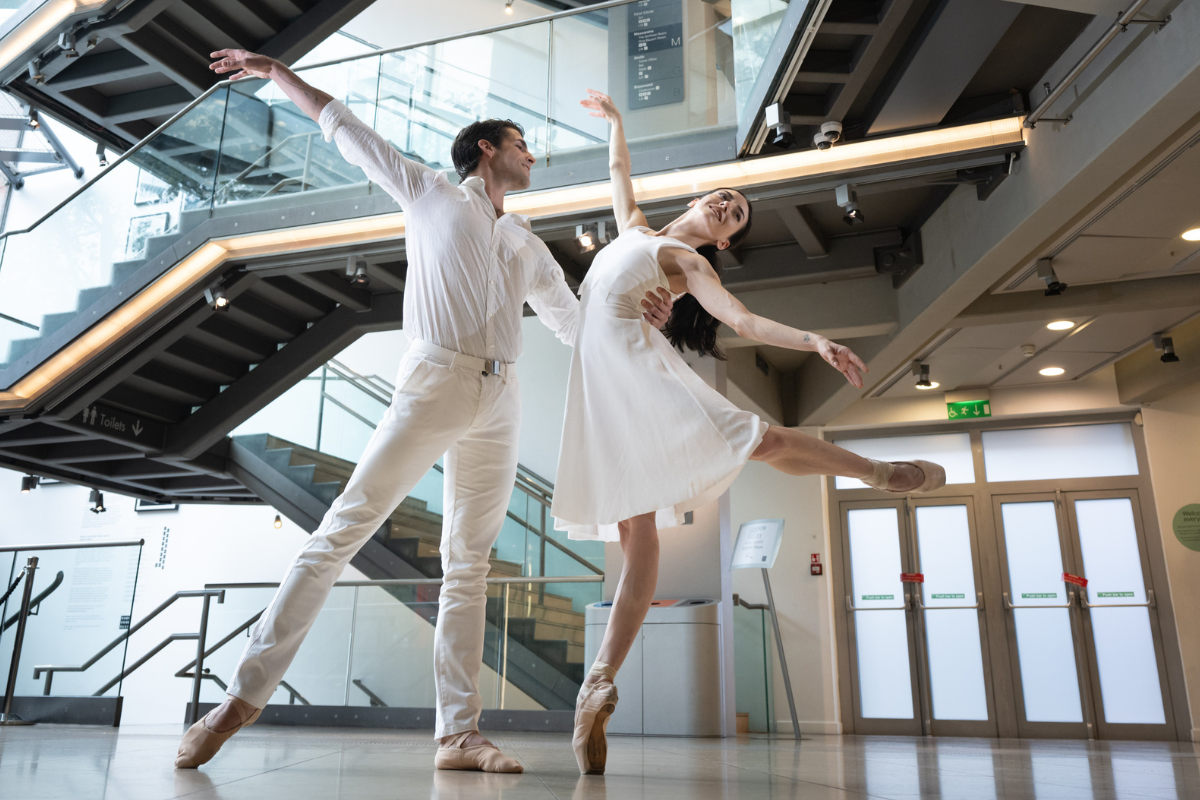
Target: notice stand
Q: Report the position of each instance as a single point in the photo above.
(756, 547)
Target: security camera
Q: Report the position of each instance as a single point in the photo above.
(830, 132)
(780, 123)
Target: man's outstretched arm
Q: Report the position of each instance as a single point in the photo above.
(404, 179)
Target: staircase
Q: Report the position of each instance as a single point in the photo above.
(545, 634)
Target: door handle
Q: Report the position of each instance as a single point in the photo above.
(1009, 604)
(1150, 602)
(851, 607)
(978, 605)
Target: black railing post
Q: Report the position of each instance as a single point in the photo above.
(199, 670)
(7, 718)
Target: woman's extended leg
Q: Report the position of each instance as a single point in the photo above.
(798, 453)
(635, 591)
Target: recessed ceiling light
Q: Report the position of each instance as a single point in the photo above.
(1050, 372)
(1061, 325)
(932, 385)
(1193, 235)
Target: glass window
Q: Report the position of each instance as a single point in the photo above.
(1075, 451)
(951, 450)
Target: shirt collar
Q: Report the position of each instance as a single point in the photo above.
(475, 183)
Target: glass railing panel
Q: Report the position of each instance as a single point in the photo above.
(545, 621)
(392, 660)
(428, 93)
(273, 149)
(88, 605)
(103, 235)
(753, 25)
(752, 666)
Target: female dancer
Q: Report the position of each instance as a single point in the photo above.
(645, 439)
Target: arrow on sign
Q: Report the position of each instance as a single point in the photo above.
(137, 428)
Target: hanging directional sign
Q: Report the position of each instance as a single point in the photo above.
(112, 423)
(655, 53)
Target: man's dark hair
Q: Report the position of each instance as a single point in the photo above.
(465, 151)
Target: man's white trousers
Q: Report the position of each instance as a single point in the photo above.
(443, 404)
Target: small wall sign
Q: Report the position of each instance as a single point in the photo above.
(1187, 526)
(970, 409)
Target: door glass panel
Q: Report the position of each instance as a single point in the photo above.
(1072, 451)
(952, 635)
(951, 450)
(881, 633)
(1045, 649)
(1124, 646)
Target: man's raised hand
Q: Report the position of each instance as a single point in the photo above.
(658, 307)
(247, 64)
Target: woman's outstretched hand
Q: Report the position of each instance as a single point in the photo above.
(842, 359)
(601, 105)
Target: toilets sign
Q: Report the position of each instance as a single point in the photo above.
(112, 423)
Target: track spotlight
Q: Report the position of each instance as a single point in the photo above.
(215, 297)
(35, 72)
(921, 373)
(97, 501)
(508, 9)
(356, 270)
(66, 43)
(780, 123)
(1045, 271)
(28, 483)
(591, 234)
(33, 121)
(102, 156)
(1167, 346)
(278, 521)
(847, 198)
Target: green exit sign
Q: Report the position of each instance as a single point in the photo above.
(971, 409)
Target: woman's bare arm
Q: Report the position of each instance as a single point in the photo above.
(704, 285)
(619, 164)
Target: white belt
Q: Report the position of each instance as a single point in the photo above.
(484, 366)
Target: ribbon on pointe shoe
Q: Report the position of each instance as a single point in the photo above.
(480, 757)
(201, 742)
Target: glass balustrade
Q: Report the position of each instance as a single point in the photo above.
(372, 645)
(334, 411)
(82, 601)
(677, 69)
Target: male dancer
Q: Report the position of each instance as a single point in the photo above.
(471, 267)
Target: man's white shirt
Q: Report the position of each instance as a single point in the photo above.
(469, 273)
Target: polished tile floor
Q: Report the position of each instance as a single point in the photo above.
(46, 762)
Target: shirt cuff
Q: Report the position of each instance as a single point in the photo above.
(332, 116)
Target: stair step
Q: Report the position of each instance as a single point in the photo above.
(301, 475)
(91, 295)
(123, 269)
(52, 322)
(572, 634)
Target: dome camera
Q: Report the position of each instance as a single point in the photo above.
(829, 133)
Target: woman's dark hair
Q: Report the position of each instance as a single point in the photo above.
(465, 151)
(690, 326)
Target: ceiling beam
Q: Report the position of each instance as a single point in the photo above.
(839, 310)
(788, 264)
(1151, 294)
(805, 230)
(1142, 377)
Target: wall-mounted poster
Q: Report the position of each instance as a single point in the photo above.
(140, 230)
(655, 53)
(152, 189)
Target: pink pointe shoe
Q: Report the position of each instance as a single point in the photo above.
(201, 742)
(934, 476)
(595, 705)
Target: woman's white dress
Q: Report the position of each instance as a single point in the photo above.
(643, 432)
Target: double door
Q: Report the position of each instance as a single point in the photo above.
(965, 621)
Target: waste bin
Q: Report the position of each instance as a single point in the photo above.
(670, 685)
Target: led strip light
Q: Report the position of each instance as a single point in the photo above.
(193, 270)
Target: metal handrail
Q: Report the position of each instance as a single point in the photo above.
(206, 593)
(16, 548)
(376, 700)
(254, 164)
(1009, 603)
(58, 579)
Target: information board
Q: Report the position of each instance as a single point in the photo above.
(757, 544)
(655, 53)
